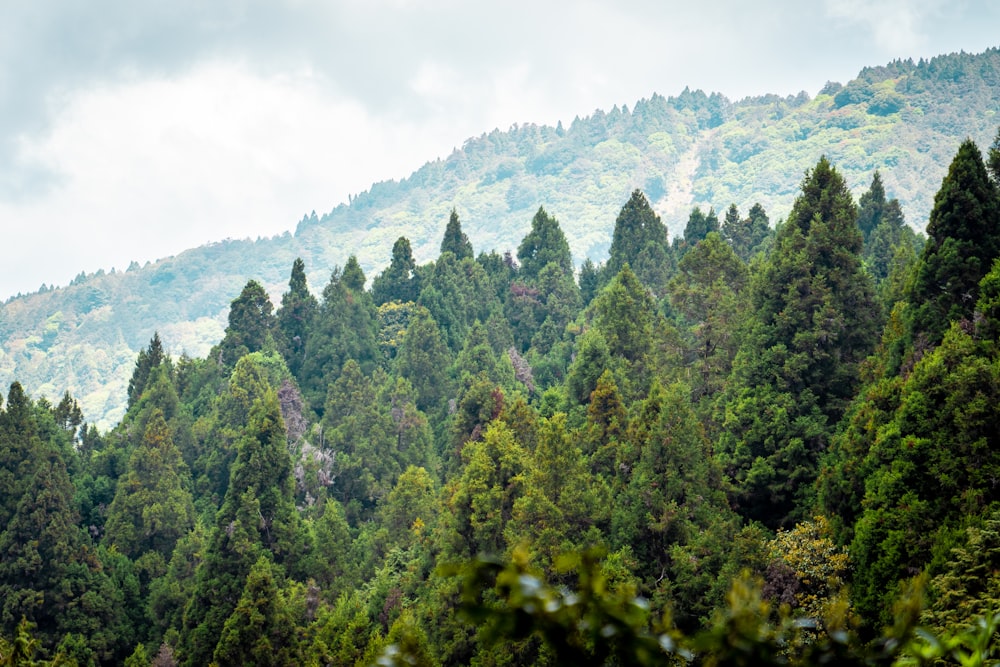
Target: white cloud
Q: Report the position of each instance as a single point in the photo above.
(153, 167)
(898, 26)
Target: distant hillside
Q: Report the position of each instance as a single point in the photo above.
(905, 119)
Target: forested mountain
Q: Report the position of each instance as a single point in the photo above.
(685, 151)
(744, 445)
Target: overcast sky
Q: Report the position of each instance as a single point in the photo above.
(133, 130)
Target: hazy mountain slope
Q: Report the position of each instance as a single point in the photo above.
(905, 119)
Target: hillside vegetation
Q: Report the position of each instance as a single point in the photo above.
(689, 150)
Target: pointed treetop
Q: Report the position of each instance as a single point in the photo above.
(455, 241)
(353, 276)
(544, 244)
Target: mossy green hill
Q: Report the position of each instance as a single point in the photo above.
(693, 149)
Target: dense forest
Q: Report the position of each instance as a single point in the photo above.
(752, 444)
(686, 150)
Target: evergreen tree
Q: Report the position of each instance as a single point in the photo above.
(640, 239)
(964, 239)
(455, 241)
(251, 324)
(872, 206)
(424, 360)
(148, 359)
(544, 244)
(295, 318)
(815, 321)
(398, 282)
(707, 293)
(262, 628)
(151, 509)
(345, 328)
(699, 225)
(749, 235)
(258, 515)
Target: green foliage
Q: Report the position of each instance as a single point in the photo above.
(251, 325)
(295, 318)
(640, 240)
(455, 241)
(964, 231)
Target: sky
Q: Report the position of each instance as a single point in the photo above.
(131, 131)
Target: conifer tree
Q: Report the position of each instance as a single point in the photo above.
(295, 318)
(964, 239)
(424, 360)
(640, 239)
(699, 225)
(258, 515)
(746, 236)
(151, 509)
(455, 241)
(344, 328)
(815, 321)
(544, 244)
(149, 358)
(398, 282)
(251, 324)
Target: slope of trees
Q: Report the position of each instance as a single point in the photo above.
(726, 434)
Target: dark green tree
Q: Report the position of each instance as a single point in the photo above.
(151, 509)
(251, 324)
(964, 239)
(424, 360)
(640, 239)
(149, 358)
(345, 328)
(544, 244)
(699, 225)
(295, 318)
(398, 282)
(815, 321)
(746, 236)
(455, 241)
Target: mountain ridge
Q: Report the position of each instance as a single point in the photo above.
(903, 118)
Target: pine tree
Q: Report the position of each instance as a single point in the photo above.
(151, 509)
(295, 318)
(344, 328)
(544, 244)
(398, 282)
(251, 324)
(640, 239)
(424, 360)
(455, 241)
(964, 239)
(815, 321)
(148, 359)
(699, 225)
(749, 235)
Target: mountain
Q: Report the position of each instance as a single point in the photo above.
(693, 149)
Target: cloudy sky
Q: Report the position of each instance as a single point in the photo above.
(133, 130)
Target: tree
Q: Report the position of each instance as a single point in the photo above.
(707, 293)
(345, 328)
(258, 515)
(455, 241)
(148, 359)
(640, 240)
(544, 244)
(699, 225)
(749, 235)
(964, 239)
(295, 318)
(151, 509)
(251, 324)
(398, 282)
(424, 360)
(815, 320)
